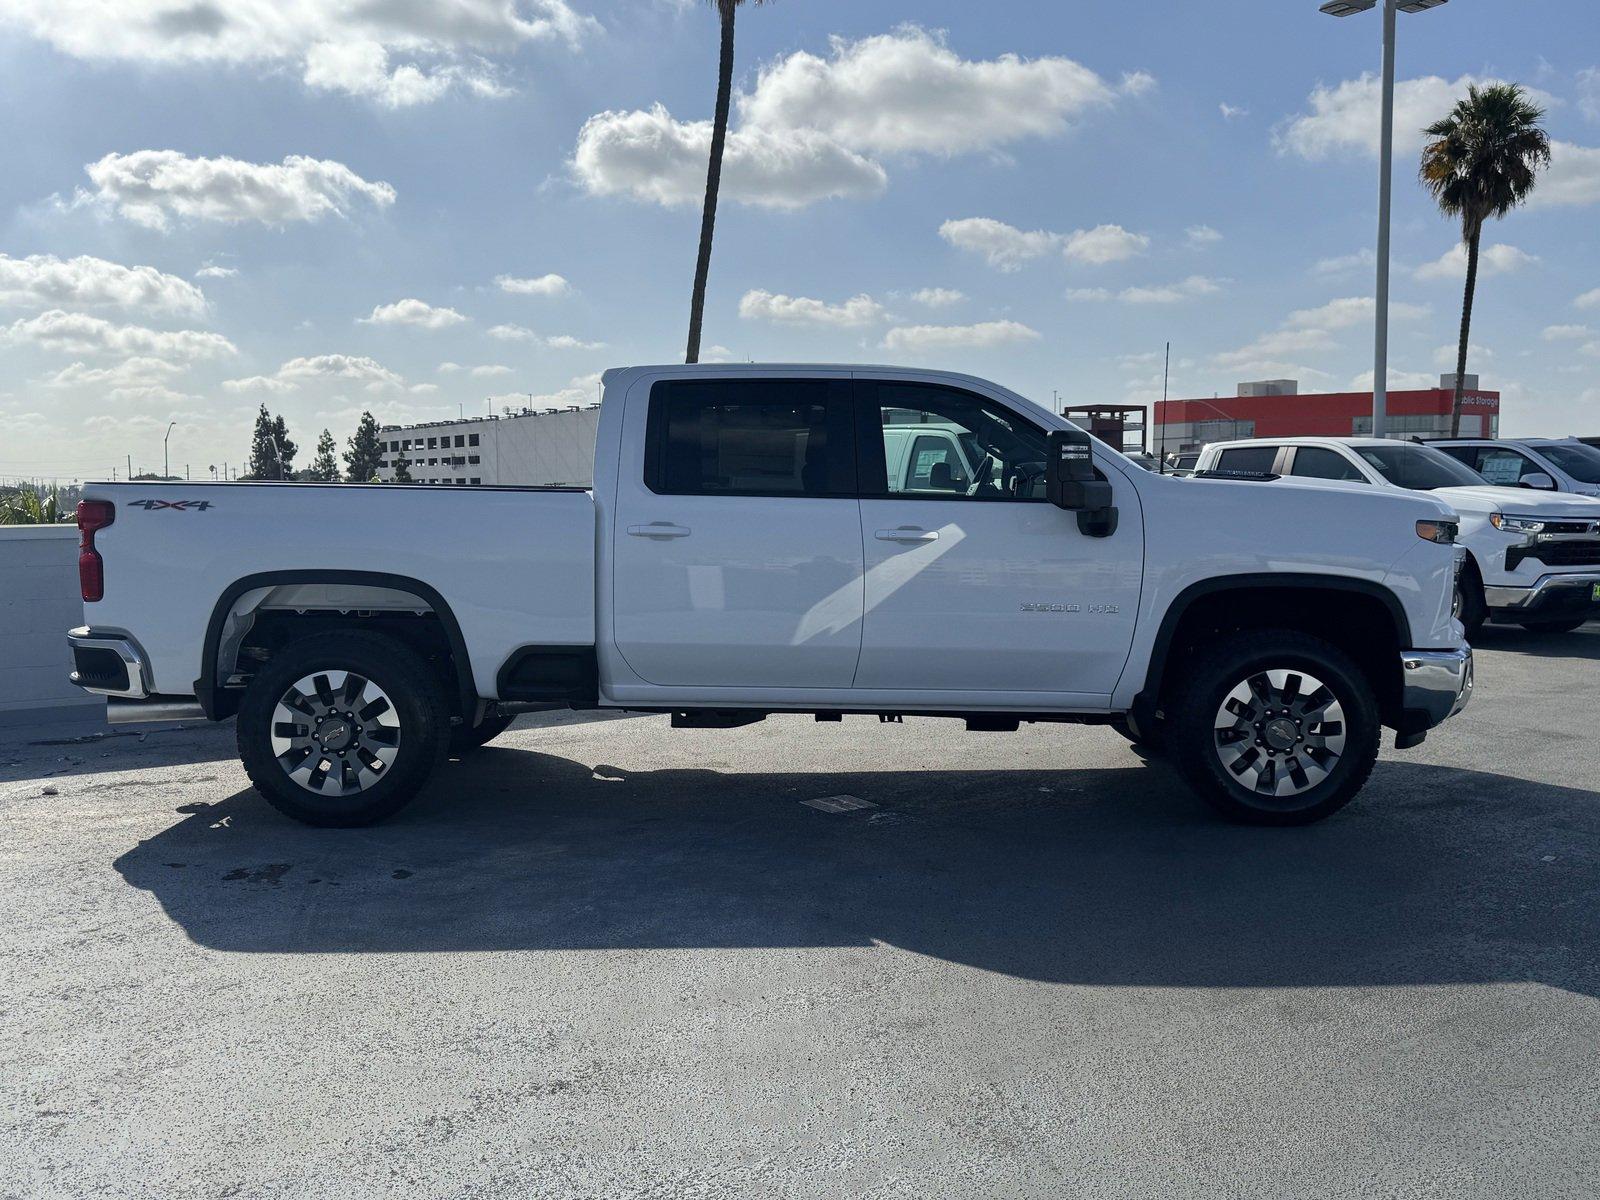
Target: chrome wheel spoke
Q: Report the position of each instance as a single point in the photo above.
(335, 733)
(1279, 733)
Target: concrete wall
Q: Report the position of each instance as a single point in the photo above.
(39, 602)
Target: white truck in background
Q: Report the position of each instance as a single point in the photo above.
(767, 539)
(1533, 558)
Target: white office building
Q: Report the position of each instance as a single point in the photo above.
(553, 446)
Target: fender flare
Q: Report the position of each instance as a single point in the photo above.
(220, 703)
(1161, 648)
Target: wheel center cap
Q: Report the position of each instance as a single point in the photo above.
(335, 734)
(1282, 733)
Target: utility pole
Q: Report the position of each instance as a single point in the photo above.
(166, 463)
(130, 468)
(1166, 371)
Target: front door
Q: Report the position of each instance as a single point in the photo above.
(737, 554)
(976, 583)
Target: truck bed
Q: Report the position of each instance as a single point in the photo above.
(513, 566)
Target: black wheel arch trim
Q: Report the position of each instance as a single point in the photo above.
(220, 703)
(1145, 702)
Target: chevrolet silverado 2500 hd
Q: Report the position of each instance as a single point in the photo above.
(1532, 558)
(768, 539)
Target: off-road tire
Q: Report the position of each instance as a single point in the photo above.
(418, 704)
(1236, 658)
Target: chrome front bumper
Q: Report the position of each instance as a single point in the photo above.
(1437, 685)
(1549, 589)
(108, 664)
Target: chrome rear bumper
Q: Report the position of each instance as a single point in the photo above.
(108, 664)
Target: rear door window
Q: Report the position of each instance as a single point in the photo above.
(751, 437)
(1317, 462)
(1248, 460)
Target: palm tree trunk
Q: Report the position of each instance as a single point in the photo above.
(708, 217)
(1474, 236)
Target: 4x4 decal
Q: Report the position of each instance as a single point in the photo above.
(183, 505)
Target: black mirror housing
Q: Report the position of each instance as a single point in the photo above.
(1071, 482)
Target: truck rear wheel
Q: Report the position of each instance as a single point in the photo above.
(342, 729)
(1275, 727)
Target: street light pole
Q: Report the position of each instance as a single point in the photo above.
(1380, 347)
(166, 466)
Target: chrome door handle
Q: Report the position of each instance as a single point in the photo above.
(907, 534)
(659, 529)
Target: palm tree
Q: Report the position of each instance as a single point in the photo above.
(719, 136)
(1483, 162)
(31, 506)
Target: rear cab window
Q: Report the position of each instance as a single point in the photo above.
(1247, 460)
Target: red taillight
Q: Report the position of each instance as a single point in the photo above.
(92, 515)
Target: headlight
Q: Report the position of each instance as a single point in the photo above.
(1516, 524)
(1443, 532)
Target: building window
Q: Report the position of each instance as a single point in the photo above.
(473, 459)
(406, 445)
(394, 447)
(460, 441)
(472, 439)
(476, 481)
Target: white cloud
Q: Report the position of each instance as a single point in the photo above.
(1103, 244)
(1232, 112)
(1399, 381)
(512, 333)
(1588, 300)
(152, 186)
(758, 305)
(580, 390)
(1345, 263)
(489, 371)
(565, 341)
(138, 370)
(652, 156)
(1272, 348)
(449, 368)
(213, 271)
(1171, 293)
(907, 92)
(1089, 295)
(357, 368)
(1445, 356)
(1003, 246)
(1566, 333)
(542, 285)
(259, 383)
(334, 43)
(1499, 259)
(938, 297)
(814, 128)
(1589, 93)
(1573, 178)
(79, 333)
(1346, 117)
(45, 281)
(1006, 247)
(1351, 311)
(412, 311)
(939, 337)
(1201, 235)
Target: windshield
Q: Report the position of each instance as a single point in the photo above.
(1581, 462)
(1419, 468)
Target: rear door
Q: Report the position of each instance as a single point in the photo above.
(737, 557)
(976, 583)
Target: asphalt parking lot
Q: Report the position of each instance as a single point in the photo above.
(605, 958)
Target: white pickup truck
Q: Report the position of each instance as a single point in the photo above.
(1533, 558)
(756, 542)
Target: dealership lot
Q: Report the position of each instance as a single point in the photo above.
(597, 959)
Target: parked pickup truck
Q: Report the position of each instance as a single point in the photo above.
(1533, 559)
(749, 548)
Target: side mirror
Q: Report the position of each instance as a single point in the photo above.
(1071, 482)
(1538, 481)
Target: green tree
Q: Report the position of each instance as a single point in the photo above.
(1484, 160)
(325, 466)
(271, 451)
(402, 469)
(33, 506)
(365, 453)
(719, 136)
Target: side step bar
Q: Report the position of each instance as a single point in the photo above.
(156, 709)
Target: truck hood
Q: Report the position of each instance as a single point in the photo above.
(1491, 499)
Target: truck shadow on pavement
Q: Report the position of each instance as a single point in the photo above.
(1109, 877)
(1579, 644)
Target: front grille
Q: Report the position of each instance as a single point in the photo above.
(1555, 554)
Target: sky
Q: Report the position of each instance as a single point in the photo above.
(424, 209)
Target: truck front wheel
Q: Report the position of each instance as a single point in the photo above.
(342, 729)
(1275, 727)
